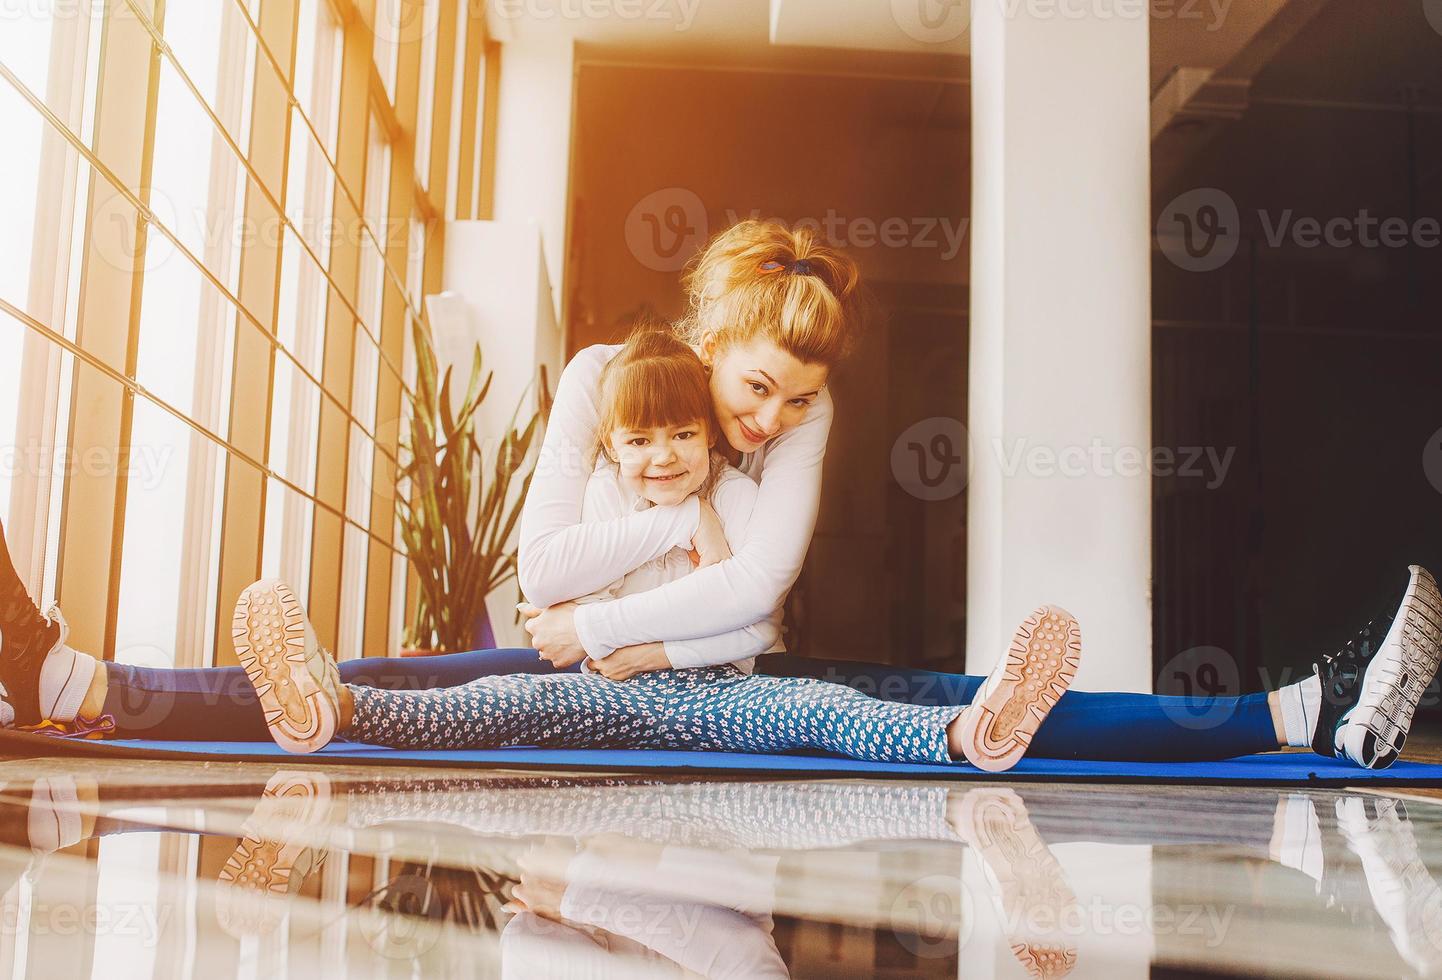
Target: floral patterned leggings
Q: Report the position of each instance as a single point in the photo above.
(715, 708)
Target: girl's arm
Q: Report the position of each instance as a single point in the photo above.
(734, 499)
(750, 585)
(561, 558)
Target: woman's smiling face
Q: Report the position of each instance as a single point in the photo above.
(759, 390)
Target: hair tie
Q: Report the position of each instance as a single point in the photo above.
(801, 267)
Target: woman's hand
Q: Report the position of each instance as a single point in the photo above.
(710, 540)
(553, 633)
(627, 662)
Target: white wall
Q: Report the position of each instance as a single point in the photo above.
(533, 145)
(498, 295)
(1061, 336)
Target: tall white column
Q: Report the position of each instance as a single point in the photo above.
(1060, 401)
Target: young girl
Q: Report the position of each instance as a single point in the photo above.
(655, 451)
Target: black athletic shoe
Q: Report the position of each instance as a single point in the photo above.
(26, 639)
(1370, 688)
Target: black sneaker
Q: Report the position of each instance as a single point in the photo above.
(1371, 687)
(26, 639)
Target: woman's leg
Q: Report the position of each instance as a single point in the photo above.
(1084, 724)
(204, 704)
(563, 711)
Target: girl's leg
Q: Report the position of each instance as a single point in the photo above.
(719, 709)
(219, 702)
(564, 711)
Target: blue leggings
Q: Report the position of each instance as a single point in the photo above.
(715, 708)
(199, 705)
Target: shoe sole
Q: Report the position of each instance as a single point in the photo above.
(1030, 887)
(1040, 665)
(269, 634)
(263, 871)
(1377, 727)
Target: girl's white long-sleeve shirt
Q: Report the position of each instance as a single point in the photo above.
(561, 557)
(733, 496)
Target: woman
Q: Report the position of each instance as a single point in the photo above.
(771, 313)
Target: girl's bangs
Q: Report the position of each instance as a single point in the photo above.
(659, 394)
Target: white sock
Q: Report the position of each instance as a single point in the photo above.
(1301, 703)
(1297, 836)
(64, 681)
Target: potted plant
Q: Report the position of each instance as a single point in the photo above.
(457, 509)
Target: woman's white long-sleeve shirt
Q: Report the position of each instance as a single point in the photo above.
(733, 495)
(562, 558)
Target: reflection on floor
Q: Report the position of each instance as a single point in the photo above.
(211, 870)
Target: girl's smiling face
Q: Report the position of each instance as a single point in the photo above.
(759, 390)
(665, 464)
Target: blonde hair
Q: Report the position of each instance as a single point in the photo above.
(760, 278)
(654, 381)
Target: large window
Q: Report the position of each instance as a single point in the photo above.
(198, 340)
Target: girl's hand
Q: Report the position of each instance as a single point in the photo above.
(627, 662)
(553, 633)
(710, 540)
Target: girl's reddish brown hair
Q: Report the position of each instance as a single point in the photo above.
(655, 381)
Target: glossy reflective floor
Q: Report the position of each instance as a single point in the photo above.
(219, 870)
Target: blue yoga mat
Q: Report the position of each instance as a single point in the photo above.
(1300, 768)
